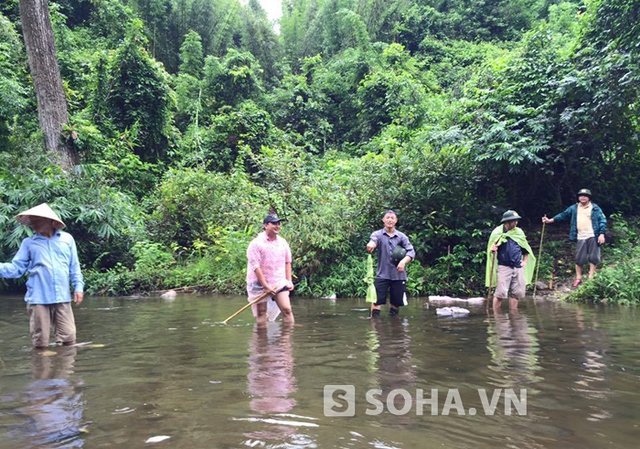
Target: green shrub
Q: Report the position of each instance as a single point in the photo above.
(189, 202)
(617, 284)
(619, 281)
(103, 220)
(115, 281)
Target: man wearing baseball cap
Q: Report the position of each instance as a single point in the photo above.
(269, 270)
(50, 259)
(588, 227)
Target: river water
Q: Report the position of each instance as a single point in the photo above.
(552, 375)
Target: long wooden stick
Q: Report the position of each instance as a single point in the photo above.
(246, 306)
(493, 262)
(178, 289)
(535, 285)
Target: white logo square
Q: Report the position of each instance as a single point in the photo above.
(339, 400)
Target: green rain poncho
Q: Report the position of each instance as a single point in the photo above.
(499, 236)
(369, 278)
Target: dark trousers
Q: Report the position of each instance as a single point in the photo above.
(397, 291)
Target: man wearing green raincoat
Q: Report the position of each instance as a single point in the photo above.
(510, 261)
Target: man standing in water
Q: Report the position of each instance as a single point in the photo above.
(394, 253)
(50, 258)
(269, 270)
(588, 227)
(508, 247)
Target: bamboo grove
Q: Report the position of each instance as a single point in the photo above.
(188, 120)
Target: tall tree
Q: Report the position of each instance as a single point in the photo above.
(259, 39)
(43, 63)
(139, 98)
(191, 59)
(301, 29)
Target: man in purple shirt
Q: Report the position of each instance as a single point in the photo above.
(50, 258)
(394, 252)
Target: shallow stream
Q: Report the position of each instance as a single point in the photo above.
(552, 375)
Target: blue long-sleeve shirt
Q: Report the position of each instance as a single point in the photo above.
(598, 220)
(50, 263)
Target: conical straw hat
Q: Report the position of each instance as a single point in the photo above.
(43, 210)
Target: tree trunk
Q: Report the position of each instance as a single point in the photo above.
(52, 103)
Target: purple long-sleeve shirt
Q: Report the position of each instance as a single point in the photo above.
(385, 246)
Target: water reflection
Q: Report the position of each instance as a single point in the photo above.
(513, 345)
(591, 381)
(271, 381)
(391, 365)
(163, 373)
(390, 354)
(51, 405)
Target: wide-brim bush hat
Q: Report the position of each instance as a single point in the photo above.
(584, 192)
(42, 210)
(510, 215)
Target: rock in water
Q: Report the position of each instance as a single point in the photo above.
(170, 294)
(451, 300)
(158, 439)
(452, 311)
(541, 286)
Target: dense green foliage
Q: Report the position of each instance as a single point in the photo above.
(194, 118)
(619, 281)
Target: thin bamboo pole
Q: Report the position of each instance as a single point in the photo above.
(246, 306)
(535, 284)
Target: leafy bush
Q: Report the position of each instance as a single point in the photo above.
(231, 132)
(619, 281)
(616, 284)
(115, 281)
(189, 202)
(104, 221)
(218, 267)
(344, 278)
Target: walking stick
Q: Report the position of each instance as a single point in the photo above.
(535, 284)
(246, 306)
(493, 263)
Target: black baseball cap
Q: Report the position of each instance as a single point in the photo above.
(272, 218)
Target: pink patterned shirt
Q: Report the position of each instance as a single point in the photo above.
(271, 256)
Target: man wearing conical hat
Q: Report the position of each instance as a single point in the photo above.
(588, 227)
(510, 262)
(50, 259)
